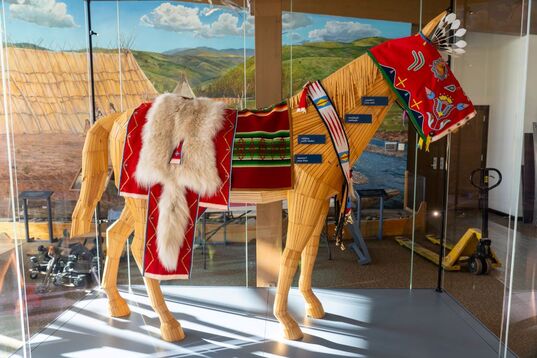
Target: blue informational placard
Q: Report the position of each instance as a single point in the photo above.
(311, 139)
(374, 101)
(308, 158)
(358, 118)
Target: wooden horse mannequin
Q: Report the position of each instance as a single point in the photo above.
(308, 202)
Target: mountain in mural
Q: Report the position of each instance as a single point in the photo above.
(209, 51)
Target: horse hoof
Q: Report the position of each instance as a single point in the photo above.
(172, 332)
(118, 308)
(293, 333)
(314, 311)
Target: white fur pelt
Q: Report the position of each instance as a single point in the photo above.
(173, 119)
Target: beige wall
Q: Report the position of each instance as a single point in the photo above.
(492, 73)
(530, 114)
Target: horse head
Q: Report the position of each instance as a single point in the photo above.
(418, 74)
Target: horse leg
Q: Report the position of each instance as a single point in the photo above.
(170, 329)
(116, 235)
(314, 308)
(305, 207)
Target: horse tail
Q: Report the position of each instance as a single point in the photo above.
(94, 173)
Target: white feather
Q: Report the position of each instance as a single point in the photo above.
(461, 44)
(456, 24)
(454, 52)
(450, 18)
(460, 32)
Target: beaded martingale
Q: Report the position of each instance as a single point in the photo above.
(328, 113)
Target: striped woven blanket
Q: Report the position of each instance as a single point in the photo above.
(262, 150)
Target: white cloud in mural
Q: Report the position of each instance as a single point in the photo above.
(47, 13)
(176, 18)
(225, 25)
(250, 25)
(291, 21)
(295, 37)
(179, 18)
(343, 31)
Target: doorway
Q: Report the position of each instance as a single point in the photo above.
(468, 152)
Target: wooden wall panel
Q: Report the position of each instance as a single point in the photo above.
(268, 84)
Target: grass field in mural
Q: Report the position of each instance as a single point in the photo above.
(202, 67)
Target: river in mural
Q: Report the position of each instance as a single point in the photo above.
(383, 171)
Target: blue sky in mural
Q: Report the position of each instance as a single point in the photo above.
(161, 26)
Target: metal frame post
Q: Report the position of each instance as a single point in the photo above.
(93, 118)
(26, 224)
(439, 282)
(49, 212)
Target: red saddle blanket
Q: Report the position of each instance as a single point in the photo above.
(129, 187)
(252, 153)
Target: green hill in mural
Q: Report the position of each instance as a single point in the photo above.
(27, 45)
(308, 61)
(200, 65)
(219, 73)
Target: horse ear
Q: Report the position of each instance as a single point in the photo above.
(428, 29)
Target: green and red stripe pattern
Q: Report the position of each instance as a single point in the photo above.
(262, 149)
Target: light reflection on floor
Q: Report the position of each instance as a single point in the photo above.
(237, 322)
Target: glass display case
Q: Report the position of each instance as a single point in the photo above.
(451, 221)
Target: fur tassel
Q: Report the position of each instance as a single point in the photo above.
(173, 220)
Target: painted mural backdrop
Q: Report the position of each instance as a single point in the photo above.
(143, 48)
(314, 46)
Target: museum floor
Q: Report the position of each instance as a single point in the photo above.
(238, 322)
(483, 296)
